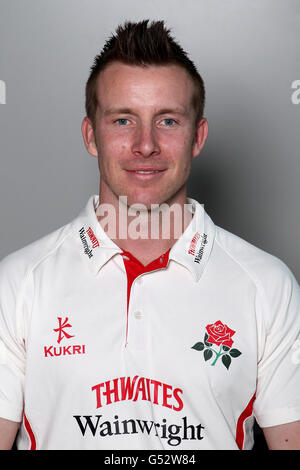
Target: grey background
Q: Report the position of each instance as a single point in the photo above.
(248, 54)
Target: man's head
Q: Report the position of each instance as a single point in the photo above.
(143, 44)
(144, 104)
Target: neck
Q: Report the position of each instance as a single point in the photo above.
(146, 234)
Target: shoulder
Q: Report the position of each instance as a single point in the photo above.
(253, 260)
(15, 266)
(275, 283)
(17, 279)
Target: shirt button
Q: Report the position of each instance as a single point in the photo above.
(138, 315)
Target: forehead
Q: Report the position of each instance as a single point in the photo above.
(151, 85)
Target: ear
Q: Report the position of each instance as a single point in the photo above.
(201, 132)
(88, 135)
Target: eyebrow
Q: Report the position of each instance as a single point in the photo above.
(180, 110)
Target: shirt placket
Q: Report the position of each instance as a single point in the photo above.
(137, 324)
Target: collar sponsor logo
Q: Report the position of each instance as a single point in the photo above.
(220, 335)
(69, 350)
(88, 249)
(193, 244)
(197, 238)
(93, 238)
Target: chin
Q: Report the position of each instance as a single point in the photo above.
(145, 199)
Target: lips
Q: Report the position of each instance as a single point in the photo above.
(146, 170)
(146, 173)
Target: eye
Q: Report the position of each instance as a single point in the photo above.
(122, 121)
(169, 122)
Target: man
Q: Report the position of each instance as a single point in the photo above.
(117, 333)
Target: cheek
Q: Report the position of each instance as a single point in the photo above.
(111, 151)
(176, 144)
(111, 145)
(111, 141)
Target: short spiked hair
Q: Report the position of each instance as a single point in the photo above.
(142, 44)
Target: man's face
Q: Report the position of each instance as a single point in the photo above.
(145, 134)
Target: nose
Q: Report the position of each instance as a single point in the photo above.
(145, 141)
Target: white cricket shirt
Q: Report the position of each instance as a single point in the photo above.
(99, 352)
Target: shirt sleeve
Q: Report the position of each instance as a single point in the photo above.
(278, 376)
(12, 349)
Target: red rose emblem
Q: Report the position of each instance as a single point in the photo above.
(218, 333)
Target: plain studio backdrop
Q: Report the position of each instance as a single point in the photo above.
(248, 54)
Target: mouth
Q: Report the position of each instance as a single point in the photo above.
(146, 173)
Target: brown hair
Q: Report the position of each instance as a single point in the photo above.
(142, 44)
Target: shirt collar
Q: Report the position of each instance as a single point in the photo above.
(191, 250)
(95, 247)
